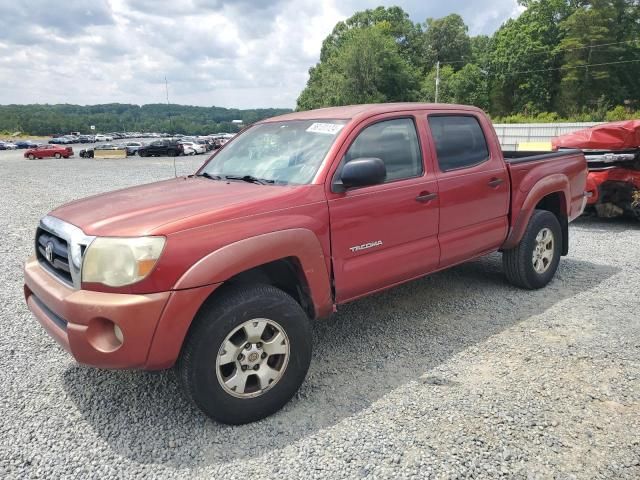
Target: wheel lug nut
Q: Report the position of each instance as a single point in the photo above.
(247, 346)
(259, 344)
(240, 357)
(255, 367)
(264, 355)
(244, 367)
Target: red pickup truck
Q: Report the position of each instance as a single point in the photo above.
(221, 273)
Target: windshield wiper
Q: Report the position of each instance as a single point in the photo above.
(250, 179)
(209, 176)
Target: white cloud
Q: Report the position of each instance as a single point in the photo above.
(243, 53)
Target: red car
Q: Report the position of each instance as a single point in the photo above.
(48, 151)
(612, 151)
(221, 273)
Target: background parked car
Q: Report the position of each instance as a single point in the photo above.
(59, 141)
(86, 138)
(27, 144)
(103, 138)
(90, 152)
(132, 147)
(161, 148)
(48, 151)
(8, 146)
(192, 148)
(208, 144)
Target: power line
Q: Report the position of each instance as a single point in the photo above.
(584, 47)
(571, 68)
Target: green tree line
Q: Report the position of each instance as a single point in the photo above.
(116, 117)
(569, 59)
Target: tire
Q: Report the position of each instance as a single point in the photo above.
(171, 153)
(203, 379)
(141, 154)
(32, 156)
(58, 156)
(534, 261)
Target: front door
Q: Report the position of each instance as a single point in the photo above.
(385, 234)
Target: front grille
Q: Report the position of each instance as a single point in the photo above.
(57, 262)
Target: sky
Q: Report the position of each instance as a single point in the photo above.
(228, 53)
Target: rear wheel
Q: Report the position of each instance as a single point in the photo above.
(246, 354)
(57, 155)
(534, 261)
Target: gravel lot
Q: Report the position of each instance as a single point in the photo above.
(457, 375)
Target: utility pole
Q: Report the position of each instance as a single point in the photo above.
(437, 79)
(166, 88)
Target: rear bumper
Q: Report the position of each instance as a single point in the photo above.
(84, 322)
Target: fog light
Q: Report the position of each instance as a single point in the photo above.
(104, 335)
(118, 333)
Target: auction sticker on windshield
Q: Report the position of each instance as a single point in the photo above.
(328, 128)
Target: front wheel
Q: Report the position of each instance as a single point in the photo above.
(534, 261)
(246, 354)
(32, 156)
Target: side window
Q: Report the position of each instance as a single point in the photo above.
(395, 142)
(459, 141)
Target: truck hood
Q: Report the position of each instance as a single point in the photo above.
(177, 204)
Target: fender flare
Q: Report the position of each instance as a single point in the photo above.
(230, 260)
(557, 183)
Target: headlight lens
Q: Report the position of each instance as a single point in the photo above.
(116, 262)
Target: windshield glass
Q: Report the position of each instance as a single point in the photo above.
(278, 152)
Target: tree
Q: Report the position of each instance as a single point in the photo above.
(522, 60)
(467, 86)
(481, 46)
(115, 117)
(446, 39)
(366, 67)
(399, 26)
(446, 93)
(603, 32)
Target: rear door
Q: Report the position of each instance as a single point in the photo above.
(474, 186)
(385, 234)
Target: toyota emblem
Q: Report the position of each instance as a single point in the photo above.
(49, 252)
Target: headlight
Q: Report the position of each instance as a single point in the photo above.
(116, 262)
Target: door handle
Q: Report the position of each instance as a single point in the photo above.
(426, 197)
(495, 182)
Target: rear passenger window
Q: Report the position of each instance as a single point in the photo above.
(459, 141)
(395, 142)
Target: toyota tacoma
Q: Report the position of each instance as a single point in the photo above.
(220, 274)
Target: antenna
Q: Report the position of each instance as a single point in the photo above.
(166, 89)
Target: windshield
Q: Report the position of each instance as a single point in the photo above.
(277, 152)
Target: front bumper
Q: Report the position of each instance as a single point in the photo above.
(152, 326)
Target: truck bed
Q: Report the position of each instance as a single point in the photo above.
(513, 156)
(527, 168)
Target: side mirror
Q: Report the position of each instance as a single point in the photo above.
(363, 172)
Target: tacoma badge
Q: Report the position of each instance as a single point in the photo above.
(357, 248)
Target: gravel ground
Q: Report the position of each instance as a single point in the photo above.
(457, 375)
